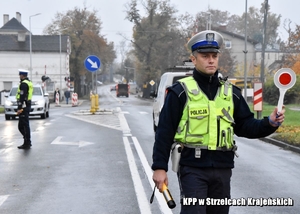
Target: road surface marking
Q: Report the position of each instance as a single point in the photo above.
(3, 198)
(137, 182)
(160, 199)
(142, 198)
(79, 144)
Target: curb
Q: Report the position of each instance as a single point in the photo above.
(67, 105)
(281, 144)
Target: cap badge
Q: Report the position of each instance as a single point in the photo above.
(210, 37)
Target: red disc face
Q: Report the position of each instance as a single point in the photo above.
(285, 78)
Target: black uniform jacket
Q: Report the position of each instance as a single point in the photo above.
(245, 126)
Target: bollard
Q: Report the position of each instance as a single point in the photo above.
(96, 102)
(93, 109)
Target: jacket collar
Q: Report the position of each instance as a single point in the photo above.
(202, 78)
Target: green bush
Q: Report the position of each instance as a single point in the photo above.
(271, 93)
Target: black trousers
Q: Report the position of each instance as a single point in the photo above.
(203, 184)
(24, 127)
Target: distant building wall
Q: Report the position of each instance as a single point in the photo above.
(42, 64)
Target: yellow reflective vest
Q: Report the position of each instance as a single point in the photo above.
(30, 90)
(206, 124)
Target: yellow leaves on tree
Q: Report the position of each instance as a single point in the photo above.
(296, 66)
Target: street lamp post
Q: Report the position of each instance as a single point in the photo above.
(245, 56)
(30, 45)
(60, 72)
(60, 84)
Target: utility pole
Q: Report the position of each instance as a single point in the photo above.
(262, 71)
(245, 56)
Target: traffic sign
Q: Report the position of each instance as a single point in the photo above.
(152, 82)
(92, 63)
(284, 79)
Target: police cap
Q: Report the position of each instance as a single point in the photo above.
(23, 72)
(206, 42)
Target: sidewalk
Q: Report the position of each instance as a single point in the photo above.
(64, 104)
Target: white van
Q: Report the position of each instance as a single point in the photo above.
(166, 80)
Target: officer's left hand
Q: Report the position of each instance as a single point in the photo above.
(276, 118)
(19, 111)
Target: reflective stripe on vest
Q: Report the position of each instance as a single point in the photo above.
(206, 123)
(30, 90)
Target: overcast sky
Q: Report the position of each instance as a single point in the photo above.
(112, 15)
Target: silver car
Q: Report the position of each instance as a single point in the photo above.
(40, 105)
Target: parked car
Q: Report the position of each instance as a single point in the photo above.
(40, 105)
(166, 80)
(113, 88)
(133, 88)
(99, 82)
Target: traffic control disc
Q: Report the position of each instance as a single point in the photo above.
(284, 79)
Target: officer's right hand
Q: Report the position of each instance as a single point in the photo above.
(159, 177)
(19, 111)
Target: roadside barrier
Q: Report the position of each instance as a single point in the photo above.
(57, 99)
(74, 99)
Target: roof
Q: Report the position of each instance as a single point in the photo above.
(222, 30)
(13, 25)
(254, 42)
(40, 43)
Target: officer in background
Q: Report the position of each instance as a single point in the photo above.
(23, 96)
(202, 113)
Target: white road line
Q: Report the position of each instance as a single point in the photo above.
(123, 123)
(94, 122)
(3, 198)
(137, 183)
(134, 173)
(160, 199)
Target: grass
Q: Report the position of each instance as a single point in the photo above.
(289, 131)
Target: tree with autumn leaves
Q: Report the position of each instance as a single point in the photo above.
(292, 49)
(84, 28)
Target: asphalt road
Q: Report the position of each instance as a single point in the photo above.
(100, 163)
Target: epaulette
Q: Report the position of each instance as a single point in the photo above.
(176, 87)
(236, 87)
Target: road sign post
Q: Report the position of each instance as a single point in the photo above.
(92, 63)
(284, 79)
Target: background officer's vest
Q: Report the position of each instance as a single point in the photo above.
(30, 90)
(206, 123)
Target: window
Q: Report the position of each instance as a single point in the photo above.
(227, 44)
(7, 85)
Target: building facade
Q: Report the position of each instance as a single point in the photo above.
(48, 55)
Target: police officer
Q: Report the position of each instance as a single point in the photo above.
(23, 97)
(202, 113)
